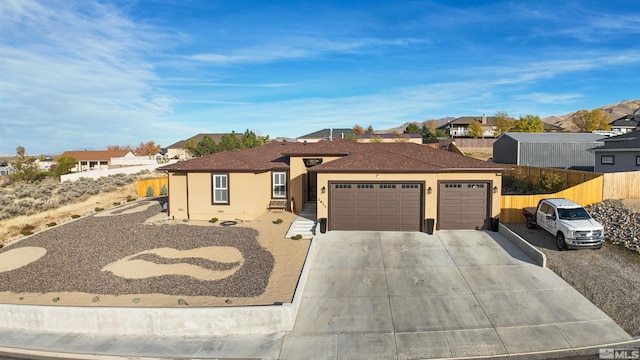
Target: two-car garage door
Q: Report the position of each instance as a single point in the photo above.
(375, 206)
(398, 206)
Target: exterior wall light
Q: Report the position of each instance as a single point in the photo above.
(429, 190)
(495, 189)
(323, 190)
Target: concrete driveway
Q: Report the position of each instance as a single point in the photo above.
(369, 295)
(453, 294)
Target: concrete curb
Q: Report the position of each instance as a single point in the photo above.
(523, 245)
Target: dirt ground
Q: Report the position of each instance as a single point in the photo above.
(288, 258)
(10, 228)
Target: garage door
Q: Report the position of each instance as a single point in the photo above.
(463, 205)
(367, 206)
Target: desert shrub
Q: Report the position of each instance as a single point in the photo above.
(116, 203)
(277, 221)
(75, 216)
(150, 191)
(213, 220)
(51, 224)
(27, 229)
(550, 183)
(130, 198)
(98, 208)
(164, 191)
(298, 237)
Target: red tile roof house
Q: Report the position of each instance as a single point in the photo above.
(356, 186)
(94, 159)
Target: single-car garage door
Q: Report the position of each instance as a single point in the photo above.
(375, 206)
(463, 205)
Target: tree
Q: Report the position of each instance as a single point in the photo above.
(24, 170)
(63, 165)
(230, 142)
(475, 129)
(503, 122)
(147, 149)
(412, 128)
(251, 140)
(529, 123)
(588, 121)
(369, 130)
(431, 125)
(358, 130)
(119, 148)
(206, 146)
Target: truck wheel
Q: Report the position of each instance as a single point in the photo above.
(560, 243)
(530, 224)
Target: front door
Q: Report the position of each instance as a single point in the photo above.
(312, 186)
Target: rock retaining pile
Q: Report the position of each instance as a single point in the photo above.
(621, 225)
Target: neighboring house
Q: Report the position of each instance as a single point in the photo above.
(356, 186)
(326, 134)
(44, 164)
(178, 151)
(554, 150)
(618, 154)
(460, 127)
(624, 124)
(7, 169)
(94, 159)
(131, 160)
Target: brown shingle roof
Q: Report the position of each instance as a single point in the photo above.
(357, 157)
(405, 158)
(95, 155)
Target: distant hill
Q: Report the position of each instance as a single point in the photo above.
(615, 111)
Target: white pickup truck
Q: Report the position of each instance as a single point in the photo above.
(569, 222)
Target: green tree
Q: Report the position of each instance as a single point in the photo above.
(588, 121)
(24, 170)
(63, 165)
(206, 146)
(230, 142)
(369, 130)
(251, 140)
(529, 123)
(412, 128)
(475, 129)
(504, 123)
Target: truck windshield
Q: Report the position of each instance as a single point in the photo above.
(573, 214)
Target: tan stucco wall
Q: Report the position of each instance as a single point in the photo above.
(297, 173)
(177, 199)
(429, 180)
(249, 196)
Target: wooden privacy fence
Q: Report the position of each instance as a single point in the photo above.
(156, 184)
(533, 174)
(586, 193)
(622, 185)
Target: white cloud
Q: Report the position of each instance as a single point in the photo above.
(74, 72)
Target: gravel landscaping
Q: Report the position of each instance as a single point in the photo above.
(608, 277)
(77, 251)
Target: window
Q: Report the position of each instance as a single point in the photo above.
(637, 160)
(607, 159)
(220, 189)
(279, 185)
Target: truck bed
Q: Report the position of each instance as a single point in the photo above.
(530, 211)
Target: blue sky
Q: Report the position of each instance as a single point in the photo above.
(86, 74)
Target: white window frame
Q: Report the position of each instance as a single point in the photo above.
(607, 159)
(223, 188)
(279, 184)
